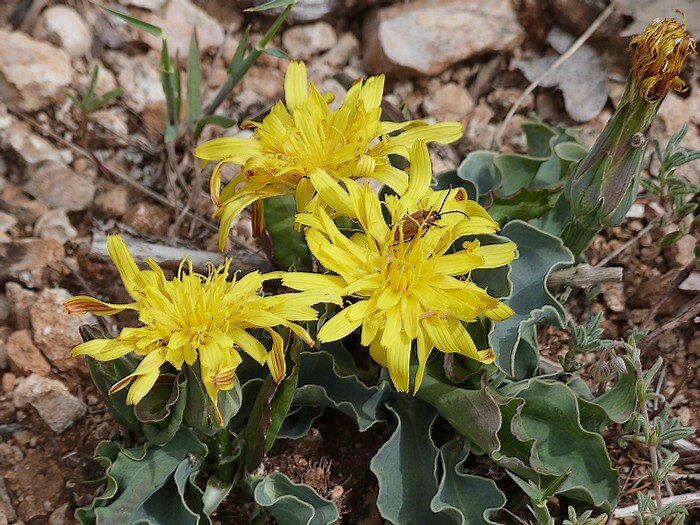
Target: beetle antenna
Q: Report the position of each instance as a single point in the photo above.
(442, 204)
(456, 211)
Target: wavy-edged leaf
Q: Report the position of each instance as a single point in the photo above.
(292, 503)
(134, 476)
(323, 384)
(405, 467)
(539, 253)
(550, 417)
(162, 408)
(465, 498)
(200, 413)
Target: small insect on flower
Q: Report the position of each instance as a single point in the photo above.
(420, 221)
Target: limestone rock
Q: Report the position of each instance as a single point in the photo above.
(427, 36)
(25, 209)
(179, 19)
(304, 41)
(140, 78)
(55, 224)
(58, 186)
(151, 5)
(148, 218)
(29, 147)
(55, 331)
(20, 300)
(23, 356)
(33, 262)
(32, 73)
(63, 26)
(113, 202)
(449, 102)
(52, 400)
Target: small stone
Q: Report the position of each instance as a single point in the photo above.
(29, 147)
(682, 252)
(52, 400)
(427, 36)
(576, 16)
(60, 516)
(151, 5)
(140, 79)
(55, 224)
(8, 382)
(55, 331)
(180, 18)
(112, 119)
(63, 26)
(337, 492)
(7, 222)
(113, 202)
(33, 73)
(58, 186)
(148, 218)
(614, 297)
(450, 102)
(20, 300)
(25, 209)
(33, 262)
(7, 512)
(302, 42)
(23, 356)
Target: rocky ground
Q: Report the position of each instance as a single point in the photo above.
(68, 177)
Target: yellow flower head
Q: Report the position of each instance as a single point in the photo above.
(302, 141)
(194, 318)
(406, 288)
(657, 57)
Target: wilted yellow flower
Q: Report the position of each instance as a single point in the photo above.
(658, 55)
(194, 318)
(402, 290)
(303, 142)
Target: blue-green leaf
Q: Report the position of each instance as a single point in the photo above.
(294, 504)
(465, 498)
(289, 245)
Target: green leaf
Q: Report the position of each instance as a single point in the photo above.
(465, 498)
(550, 416)
(294, 504)
(539, 253)
(217, 120)
(200, 413)
(289, 245)
(525, 205)
(405, 467)
(162, 408)
(276, 53)
(272, 4)
(518, 172)
(134, 476)
(322, 383)
(478, 167)
(461, 408)
(156, 31)
(194, 84)
(104, 374)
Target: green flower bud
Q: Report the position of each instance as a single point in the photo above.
(604, 184)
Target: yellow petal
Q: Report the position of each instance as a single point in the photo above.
(372, 91)
(234, 149)
(398, 361)
(421, 173)
(102, 349)
(423, 346)
(275, 359)
(249, 344)
(496, 255)
(311, 281)
(344, 322)
(331, 192)
(122, 259)
(141, 386)
(296, 88)
(500, 312)
(82, 304)
(395, 178)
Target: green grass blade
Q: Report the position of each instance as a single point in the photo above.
(272, 4)
(194, 84)
(135, 22)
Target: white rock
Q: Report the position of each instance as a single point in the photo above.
(55, 224)
(63, 26)
(302, 42)
(58, 186)
(151, 5)
(427, 36)
(449, 102)
(178, 21)
(113, 119)
(140, 79)
(32, 73)
(52, 400)
(29, 147)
